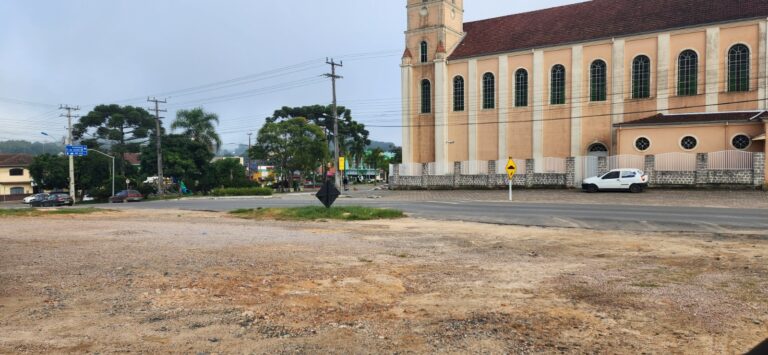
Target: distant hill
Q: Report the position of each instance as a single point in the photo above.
(385, 146)
(32, 148)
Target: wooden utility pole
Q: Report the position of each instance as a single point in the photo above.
(248, 154)
(160, 179)
(333, 77)
(69, 116)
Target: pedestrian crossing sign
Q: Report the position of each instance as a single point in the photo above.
(511, 168)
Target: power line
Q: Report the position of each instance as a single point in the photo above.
(334, 77)
(559, 118)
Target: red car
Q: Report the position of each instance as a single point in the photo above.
(127, 196)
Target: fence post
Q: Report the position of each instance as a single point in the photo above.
(570, 172)
(650, 168)
(602, 165)
(758, 169)
(702, 167)
(394, 180)
(530, 171)
(456, 173)
(424, 174)
(491, 174)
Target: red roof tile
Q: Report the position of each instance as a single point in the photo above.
(597, 19)
(15, 160)
(133, 158)
(694, 118)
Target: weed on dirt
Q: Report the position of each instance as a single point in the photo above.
(319, 213)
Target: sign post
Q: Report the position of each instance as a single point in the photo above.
(511, 171)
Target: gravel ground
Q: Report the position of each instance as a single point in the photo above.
(191, 282)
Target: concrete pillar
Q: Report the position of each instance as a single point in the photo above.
(712, 85)
(702, 168)
(758, 169)
(456, 173)
(491, 173)
(441, 115)
(662, 73)
(472, 100)
(503, 105)
(617, 93)
(424, 174)
(650, 168)
(570, 172)
(530, 171)
(540, 79)
(762, 81)
(406, 78)
(602, 165)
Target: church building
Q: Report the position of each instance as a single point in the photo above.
(601, 77)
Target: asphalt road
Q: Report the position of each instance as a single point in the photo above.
(569, 215)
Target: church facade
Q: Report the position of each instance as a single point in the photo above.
(598, 77)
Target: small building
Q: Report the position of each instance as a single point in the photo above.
(705, 132)
(15, 179)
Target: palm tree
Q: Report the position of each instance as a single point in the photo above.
(198, 125)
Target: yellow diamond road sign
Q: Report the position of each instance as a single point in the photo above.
(511, 168)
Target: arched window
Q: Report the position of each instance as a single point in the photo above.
(17, 172)
(687, 73)
(458, 93)
(597, 81)
(738, 68)
(423, 52)
(426, 96)
(557, 95)
(641, 77)
(489, 91)
(521, 88)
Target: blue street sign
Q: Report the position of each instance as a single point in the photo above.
(77, 151)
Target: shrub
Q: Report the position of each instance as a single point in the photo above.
(242, 191)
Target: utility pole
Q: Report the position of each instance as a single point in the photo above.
(333, 77)
(248, 154)
(160, 180)
(69, 117)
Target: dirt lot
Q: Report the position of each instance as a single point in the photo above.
(207, 283)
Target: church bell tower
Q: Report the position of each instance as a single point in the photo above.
(435, 28)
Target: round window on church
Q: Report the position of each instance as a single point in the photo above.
(741, 142)
(689, 142)
(642, 144)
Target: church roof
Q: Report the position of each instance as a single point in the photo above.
(697, 118)
(595, 20)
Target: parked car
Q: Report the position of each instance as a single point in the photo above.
(53, 200)
(632, 180)
(127, 196)
(31, 198)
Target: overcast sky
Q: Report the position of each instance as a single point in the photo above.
(261, 54)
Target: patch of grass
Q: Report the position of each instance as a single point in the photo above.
(645, 284)
(243, 191)
(318, 213)
(34, 212)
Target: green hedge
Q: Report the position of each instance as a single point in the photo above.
(242, 191)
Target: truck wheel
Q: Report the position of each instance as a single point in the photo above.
(635, 189)
(592, 189)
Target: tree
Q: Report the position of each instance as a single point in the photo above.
(183, 159)
(124, 128)
(226, 173)
(50, 172)
(398, 159)
(353, 137)
(291, 145)
(198, 125)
